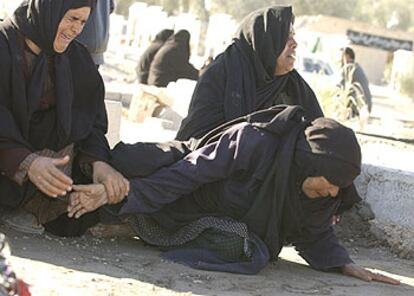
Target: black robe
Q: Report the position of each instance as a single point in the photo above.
(148, 55)
(171, 62)
(78, 115)
(246, 173)
(241, 80)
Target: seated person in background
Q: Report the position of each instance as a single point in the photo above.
(146, 58)
(52, 117)
(253, 185)
(171, 62)
(255, 72)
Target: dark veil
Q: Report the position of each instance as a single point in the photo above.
(163, 35)
(148, 55)
(38, 20)
(320, 148)
(241, 80)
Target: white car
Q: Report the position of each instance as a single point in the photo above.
(316, 71)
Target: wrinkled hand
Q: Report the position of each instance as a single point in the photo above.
(116, 186)
(45, 175)
(85, 199)
(361, 273)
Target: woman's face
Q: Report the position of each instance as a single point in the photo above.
(286, 60)
(70, 27)
(315, 187)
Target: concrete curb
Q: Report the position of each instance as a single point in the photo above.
(390, 193)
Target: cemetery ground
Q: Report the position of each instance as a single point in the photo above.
(126, 266)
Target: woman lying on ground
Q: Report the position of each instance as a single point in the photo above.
(252, 186)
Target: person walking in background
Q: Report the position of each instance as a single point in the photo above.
(352, 73)
(171, 62)
(146, 58)
(95, 35)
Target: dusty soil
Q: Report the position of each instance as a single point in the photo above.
(120, 266)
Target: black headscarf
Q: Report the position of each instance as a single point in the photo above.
(38, 20)
(148, 55)
(262, 37)
(332, 151)
(241, 80)
(171, 62)
(329, 149)
(163, 35)
(182, 38)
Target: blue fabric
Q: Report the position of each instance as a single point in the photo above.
(208, 260)
(324, 251)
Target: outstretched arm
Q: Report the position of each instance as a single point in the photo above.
(323, 251)
(211, 163)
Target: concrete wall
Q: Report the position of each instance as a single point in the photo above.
(390, 193)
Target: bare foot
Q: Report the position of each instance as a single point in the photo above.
(85, 199)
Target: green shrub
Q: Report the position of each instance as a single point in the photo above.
(327, 95)
(406, 84)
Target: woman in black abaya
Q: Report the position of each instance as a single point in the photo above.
(171, 62)
(255, 72)
(52, 116)
(145, 61)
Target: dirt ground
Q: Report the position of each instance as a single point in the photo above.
(126, 266)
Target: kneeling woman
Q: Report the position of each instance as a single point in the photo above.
(52, 116)
(255, 184)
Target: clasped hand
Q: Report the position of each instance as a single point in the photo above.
(116, 186)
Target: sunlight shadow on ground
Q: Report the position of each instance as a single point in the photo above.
(289, 254)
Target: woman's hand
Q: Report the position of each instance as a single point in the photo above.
(116, 186)
(45, 175)
(85, 199)
(361, 273)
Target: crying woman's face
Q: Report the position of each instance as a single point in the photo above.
(315, 187)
